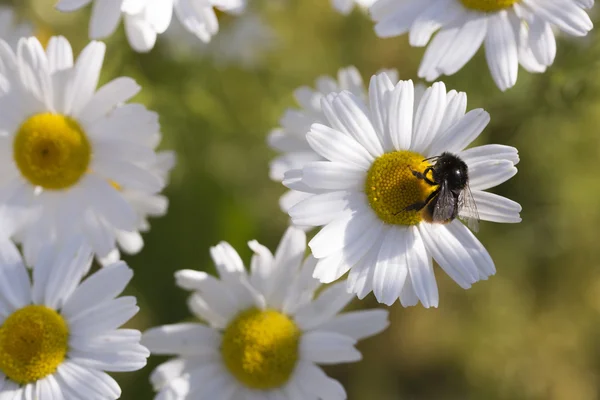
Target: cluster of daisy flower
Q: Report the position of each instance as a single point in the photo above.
(386, 171)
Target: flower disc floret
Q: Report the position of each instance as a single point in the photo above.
(33, 343)
(391, 187)
(260, 348)
(52, 151)
(488, 5)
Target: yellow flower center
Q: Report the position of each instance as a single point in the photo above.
(488, 5)
(391, 187)
(33, 343)
(260, 348)
(51, 151)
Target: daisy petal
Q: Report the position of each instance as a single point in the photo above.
(492, 207)
(328, 348)
(184, 339)
(358, 324)
(420, 270)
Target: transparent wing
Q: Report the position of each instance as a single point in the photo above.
(467, 209)
(445, 204)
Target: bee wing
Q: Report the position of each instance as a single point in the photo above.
(467, 209)
(445, 204)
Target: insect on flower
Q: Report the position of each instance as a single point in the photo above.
(453, 197)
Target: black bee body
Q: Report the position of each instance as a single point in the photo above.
(451, 176)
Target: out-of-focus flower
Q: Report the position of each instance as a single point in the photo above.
(242, 41)
(513, 32)
(145, 19)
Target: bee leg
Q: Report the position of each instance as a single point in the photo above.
(420, 205)
(423, 176)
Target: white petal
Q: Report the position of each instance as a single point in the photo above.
(330, 302)
(187, 339)
(501, 50)
(14, 280)
(60, 54)
(86, 75)
(166, 372)
(105, 18)
(316, 384)
(71, 5)
(108, 97)
(542, 41)
(103, 285)
(391, 268)
(109, 203)
(429, 116)
(420, 269)
(228, 262)
(336, 146)
(448, 252)
(261, 266)
(358, 324)
(333, 176)
(140, 34)
(321, 209)
(489, 152)
(492, 207)
(349, 114)
(487, 174)
(328, 348)
(460, 134)
(401, 104)
(86, 382)
(480, 256)
(105, 317)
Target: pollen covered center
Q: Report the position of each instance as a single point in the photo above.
(260, 348)
(488, 5)
(391, 187)
(51, 151)
(33, 343)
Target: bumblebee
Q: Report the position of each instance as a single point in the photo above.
(452, 198)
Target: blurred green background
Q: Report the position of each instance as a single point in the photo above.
(530, 332)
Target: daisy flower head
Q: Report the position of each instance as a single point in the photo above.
(377, 190)
(346, 6)
(60, 335)
(290, 138)
(145, 19)
(265, 331)
(513, 32)
(72, 154)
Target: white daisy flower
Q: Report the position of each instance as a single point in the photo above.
(290, 138)
(145, 19)
(374, 194)
(513, 31)
(346, 6)
(10, 29)
(265, 331)
(67, 147)
(58, 335)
